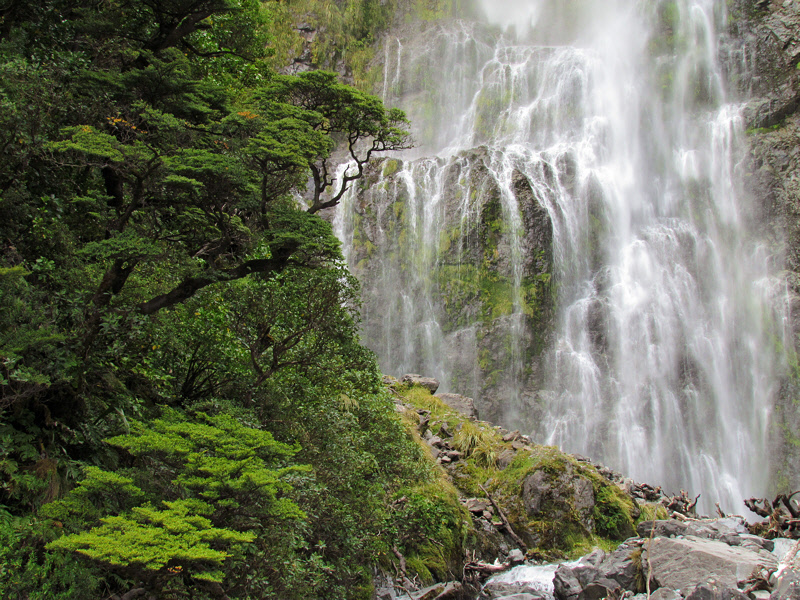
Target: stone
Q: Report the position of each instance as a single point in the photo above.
(429, 383)
(516, 556)
(565, 583)
(505, 458)
(601, 589)
(619, 566)
(684, 563)
(440, 591)
(476, 506)
(670, 528)
(715, 592)
(434, 440)
(460, 404)
(787, 585)
(665, 594)
(554, 496)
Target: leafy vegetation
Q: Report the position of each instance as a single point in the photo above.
(185, 407)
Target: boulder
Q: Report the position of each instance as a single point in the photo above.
(715, 592)
(453, 590)
(550, 495)
(670, 528)
(619, 566)
(601, 589)
(461, 404)
(787, 586)
(428, 383)
(566, 584)
(684, 563)
(665, 594)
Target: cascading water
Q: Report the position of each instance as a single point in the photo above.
(582, 182)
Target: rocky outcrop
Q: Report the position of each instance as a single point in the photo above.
(456, 282)
(766, 40)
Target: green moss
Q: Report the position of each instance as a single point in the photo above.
(482, 445)
(390, 167)
(612, 513)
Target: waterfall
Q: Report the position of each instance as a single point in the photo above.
(568, 244)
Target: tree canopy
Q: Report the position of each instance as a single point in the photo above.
(178, 333)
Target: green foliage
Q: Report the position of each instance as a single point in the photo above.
(153, 538)
(177, 331)
(223, 477)
(28, 572)
(612, 513)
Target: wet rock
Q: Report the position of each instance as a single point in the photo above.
(566, 584)
(452, 590)
(428, 383)
(461, 404)
(620, 566)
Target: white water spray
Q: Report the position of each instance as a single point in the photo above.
(663, 361)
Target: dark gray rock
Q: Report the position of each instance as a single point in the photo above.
(620, 567)
(600, 589)
(566, 584)
(461, 404)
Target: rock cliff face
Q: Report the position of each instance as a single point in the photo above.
(765, 67)
(456, 283)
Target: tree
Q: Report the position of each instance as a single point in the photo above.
(215, 482)
(341, 111)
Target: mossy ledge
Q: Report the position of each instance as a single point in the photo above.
(558, 505)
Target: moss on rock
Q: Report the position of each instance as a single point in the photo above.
(559, 506)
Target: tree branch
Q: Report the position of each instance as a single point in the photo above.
(189, 287)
